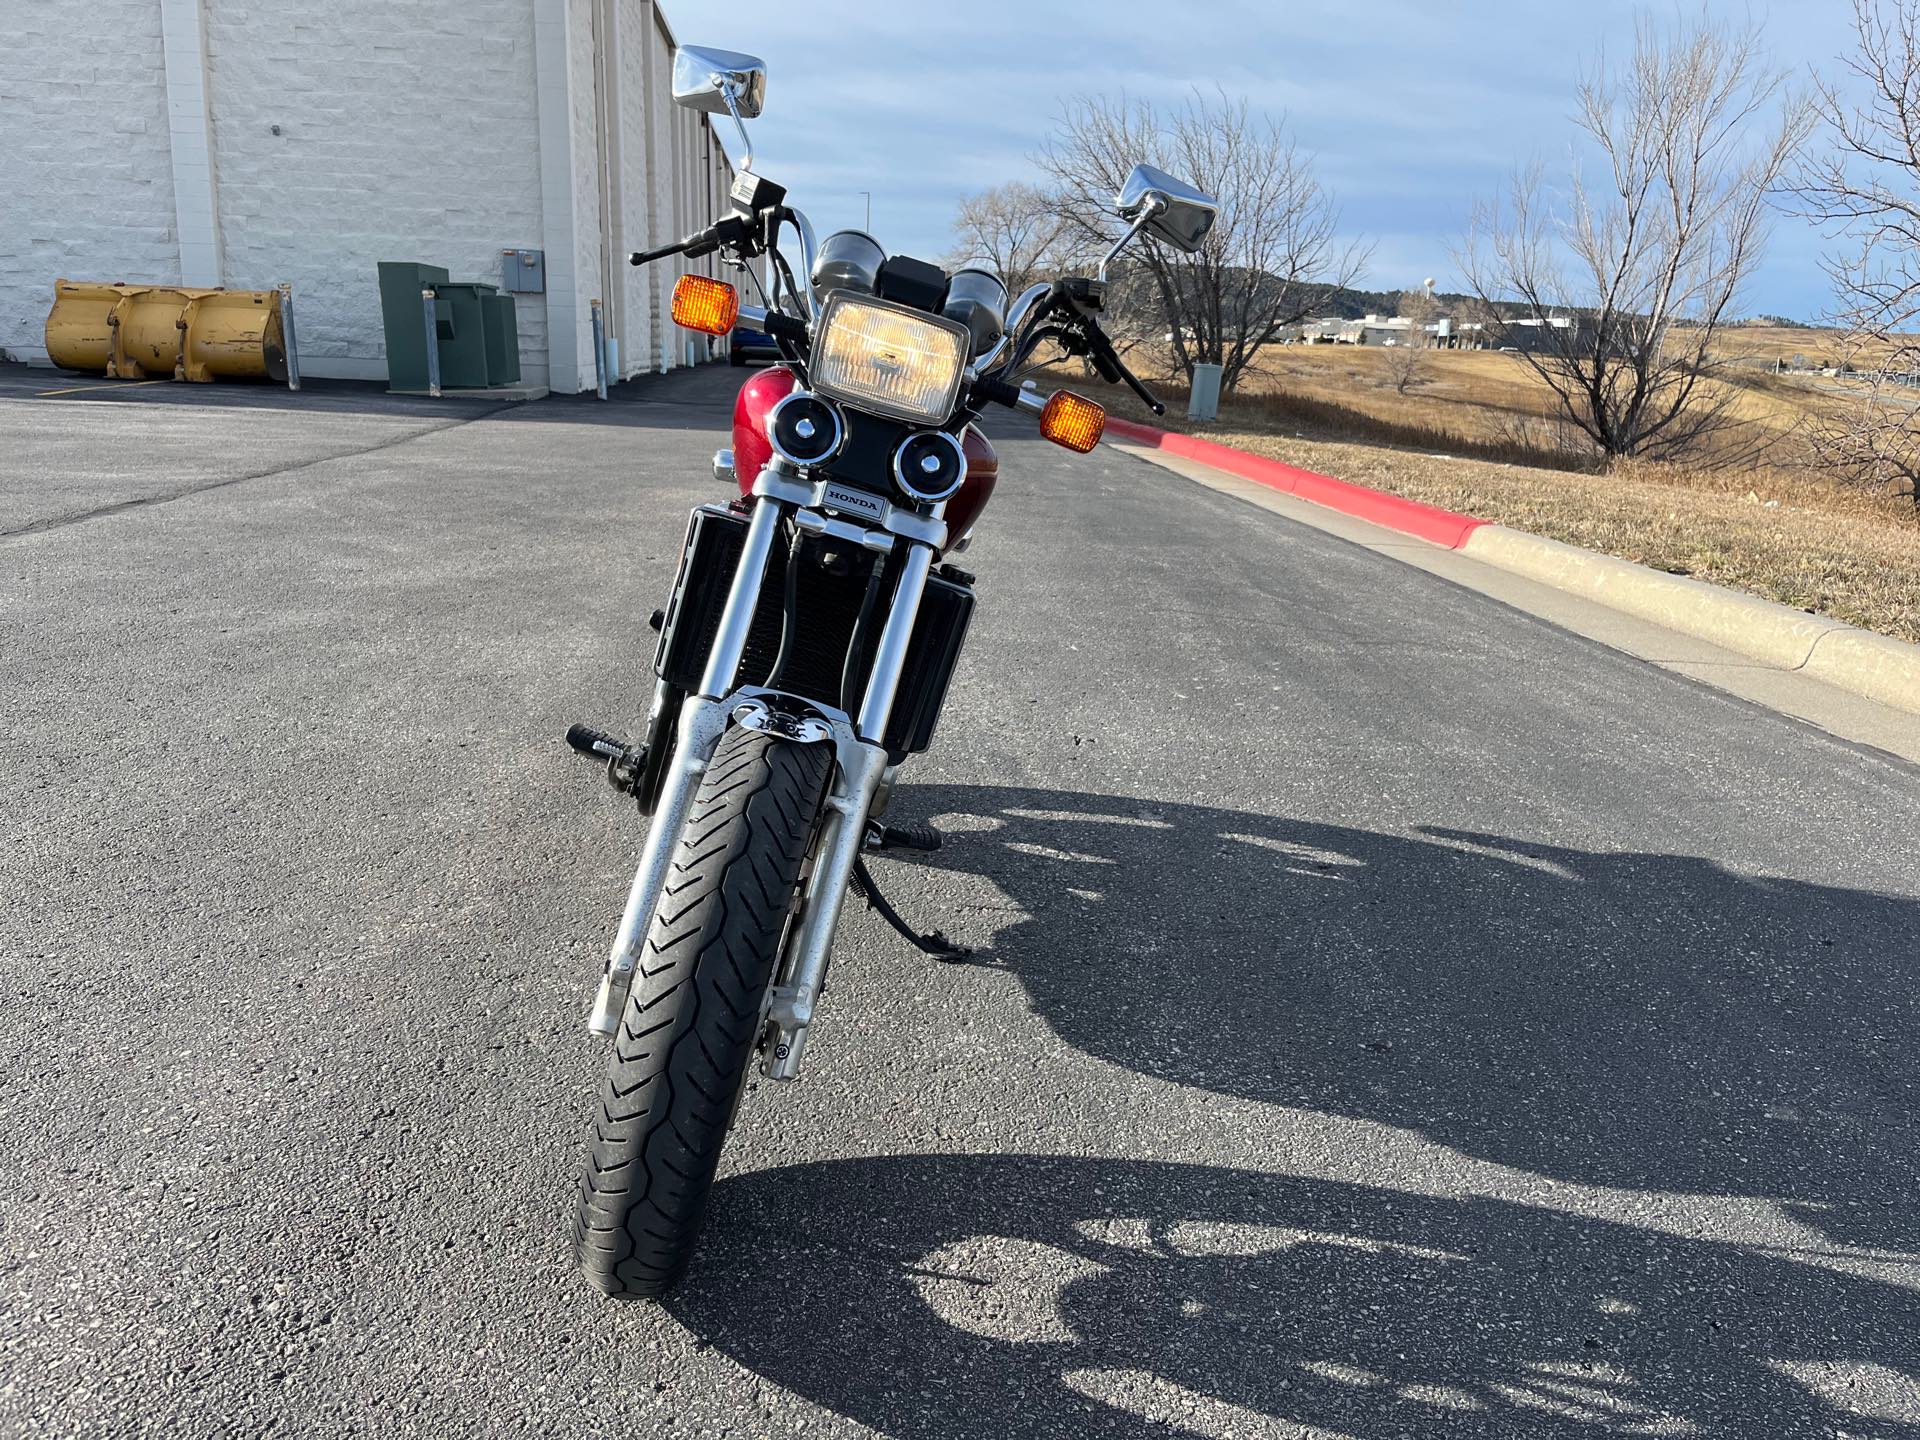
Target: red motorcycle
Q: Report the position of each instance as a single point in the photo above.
(804, 654)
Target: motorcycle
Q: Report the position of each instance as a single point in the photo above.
(804, 654)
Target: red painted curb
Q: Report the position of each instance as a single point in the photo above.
(1410, 517)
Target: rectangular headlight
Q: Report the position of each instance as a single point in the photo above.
(889, 359)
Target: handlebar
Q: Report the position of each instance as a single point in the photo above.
(742, 232)
(750, 234)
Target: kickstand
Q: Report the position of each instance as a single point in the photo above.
(935, 944)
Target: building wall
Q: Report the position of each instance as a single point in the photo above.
(649, 215)
(440, 131)
(629, 307)
(407, 132)
(583, 93)
(673, 179)
(86, 177)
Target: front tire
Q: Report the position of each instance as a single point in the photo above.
(693, 1015)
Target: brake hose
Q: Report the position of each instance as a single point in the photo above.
(857, 643)
(790, 607)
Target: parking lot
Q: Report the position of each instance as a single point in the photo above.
(1391, 1015)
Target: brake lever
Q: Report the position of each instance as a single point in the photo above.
(1151, 400)
(1113, 369)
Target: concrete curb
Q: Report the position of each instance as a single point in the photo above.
(1875, 666)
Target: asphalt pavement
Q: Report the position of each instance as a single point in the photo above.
(1392, 1015)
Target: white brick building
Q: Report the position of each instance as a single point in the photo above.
(248, 142)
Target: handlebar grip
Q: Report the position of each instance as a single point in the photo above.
(782, 326)
(998, 391)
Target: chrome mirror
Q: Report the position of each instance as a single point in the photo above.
(721, 82)
(1170, 210)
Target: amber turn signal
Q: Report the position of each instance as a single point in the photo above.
(1073, 421)
(704, 304)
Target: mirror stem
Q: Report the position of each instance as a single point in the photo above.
(728, 89)
(1148, 210)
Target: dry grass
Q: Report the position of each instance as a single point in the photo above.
(1777, 531)
(1779, 342)
(1788, 541)
(1479, 398)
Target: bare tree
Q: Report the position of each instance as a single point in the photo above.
(1477, 323)
(1866, 185)
(1014, 230)
(1870, 442)
(1407, 361)
(1622, 287)
(1271, 254)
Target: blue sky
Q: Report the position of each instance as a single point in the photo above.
(1410, 108)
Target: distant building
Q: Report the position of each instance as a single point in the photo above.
(1532, 335)
(1529, 335)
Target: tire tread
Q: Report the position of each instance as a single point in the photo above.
(689, 1028)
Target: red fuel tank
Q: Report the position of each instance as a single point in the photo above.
(751, 450)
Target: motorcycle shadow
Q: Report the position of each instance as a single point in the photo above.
(1639, 1020)
(965, 1295)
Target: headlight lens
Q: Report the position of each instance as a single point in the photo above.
(889, 359)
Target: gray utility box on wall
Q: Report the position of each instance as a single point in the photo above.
(524, 272)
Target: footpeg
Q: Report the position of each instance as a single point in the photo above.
(902, 837)
(625, 763)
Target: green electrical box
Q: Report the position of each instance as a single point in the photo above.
(476, 326)
(405, 322)
(503, 341)
(464, 308)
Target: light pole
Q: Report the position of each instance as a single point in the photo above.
(869, 197)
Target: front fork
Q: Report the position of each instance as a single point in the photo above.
(861, 762)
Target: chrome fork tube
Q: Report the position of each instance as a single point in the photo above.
(862, 765)
(730, 643)
(791, 1011)
(890, 656)
(703, 720)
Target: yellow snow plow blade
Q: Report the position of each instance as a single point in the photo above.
(153, 332)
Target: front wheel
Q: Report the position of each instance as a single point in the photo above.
(692, 1017)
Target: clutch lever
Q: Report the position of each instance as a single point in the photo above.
(734, 231)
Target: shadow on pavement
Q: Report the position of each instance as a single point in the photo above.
(1639, 1020)
(999, 1295)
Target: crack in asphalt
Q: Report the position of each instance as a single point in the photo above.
(101, 512)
